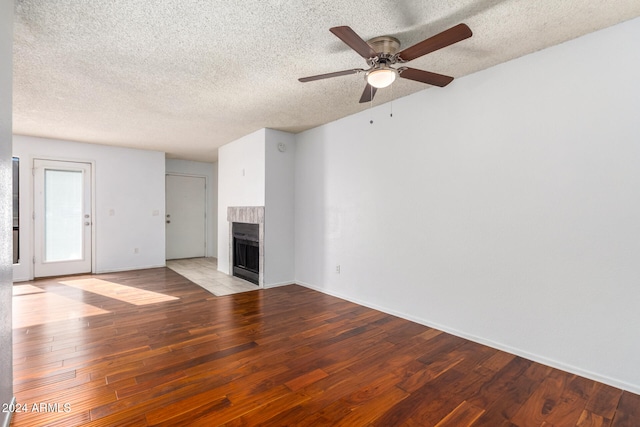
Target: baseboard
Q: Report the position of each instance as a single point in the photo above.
(277, 285)
(5, 421)
(633, 388)
(119, 270)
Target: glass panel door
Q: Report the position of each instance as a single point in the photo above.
(62, 218)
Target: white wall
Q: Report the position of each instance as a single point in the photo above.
(504, 208)
(209, 171)
(279, 209)
(254, 172)
(127, 182)
(6, 247)
(241, 182)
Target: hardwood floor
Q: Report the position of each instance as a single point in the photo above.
(151, 348)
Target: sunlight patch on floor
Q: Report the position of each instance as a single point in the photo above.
(47, 307)
(26, 290)
(120, 292)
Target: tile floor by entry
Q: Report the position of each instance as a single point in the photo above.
(204, 272)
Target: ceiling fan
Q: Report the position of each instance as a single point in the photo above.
(382, 52)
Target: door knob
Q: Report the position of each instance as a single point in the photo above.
(168, 222)
(87, 223)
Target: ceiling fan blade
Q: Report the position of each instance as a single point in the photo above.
(354, 41)
(329, 75)
(443, 39)
(368, 93)
(425, 77)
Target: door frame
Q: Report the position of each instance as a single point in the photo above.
(32, 200)
(207, 214)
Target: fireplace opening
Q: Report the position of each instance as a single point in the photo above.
(246, 251)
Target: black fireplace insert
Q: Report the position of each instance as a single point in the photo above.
(246, 251)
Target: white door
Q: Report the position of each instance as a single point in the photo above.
(186, 217)
(62, 218)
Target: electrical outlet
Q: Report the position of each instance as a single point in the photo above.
(338, 268)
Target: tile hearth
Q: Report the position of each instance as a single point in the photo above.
(204, 272)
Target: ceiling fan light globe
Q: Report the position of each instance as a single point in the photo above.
(381, 78)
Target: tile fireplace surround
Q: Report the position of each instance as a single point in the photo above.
(247, 215)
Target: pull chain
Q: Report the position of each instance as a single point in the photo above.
(370, 102)
(391, 115)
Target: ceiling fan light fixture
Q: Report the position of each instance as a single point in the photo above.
(381, 77)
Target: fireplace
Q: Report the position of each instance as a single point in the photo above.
(246, 251)
(246, 243)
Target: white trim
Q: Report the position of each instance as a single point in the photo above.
(32, 183)
(118, 270)
(530, 356)
(207, 214)
(277, 285)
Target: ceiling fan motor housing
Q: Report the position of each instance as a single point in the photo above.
(385, 44)
(386, 48)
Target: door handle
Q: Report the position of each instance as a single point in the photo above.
(87, 223)
(168, 222)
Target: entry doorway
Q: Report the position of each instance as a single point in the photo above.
(63, 218)
(186, 229)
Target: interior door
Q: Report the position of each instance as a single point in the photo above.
(186, 216)
(62, 218)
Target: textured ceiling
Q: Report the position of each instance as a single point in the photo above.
(187, 76)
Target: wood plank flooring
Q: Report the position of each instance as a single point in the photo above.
(287, 356)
